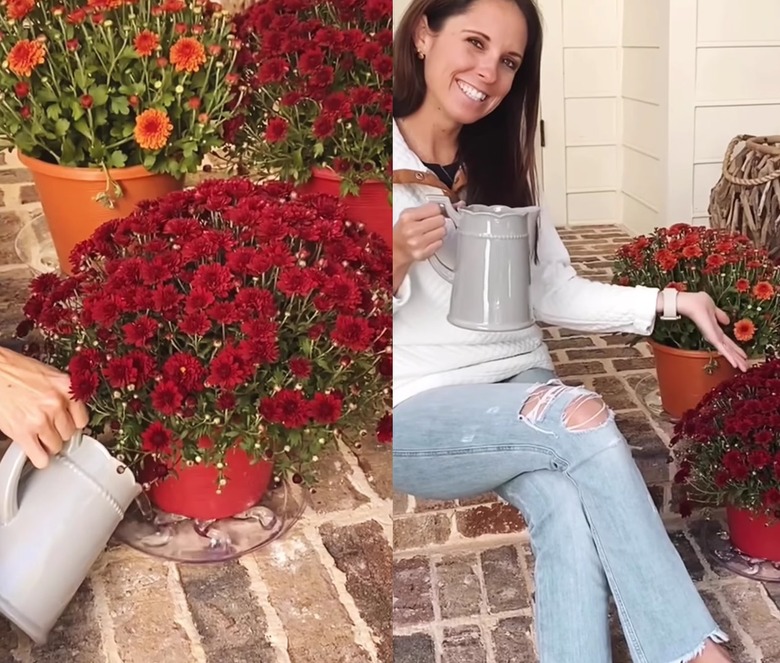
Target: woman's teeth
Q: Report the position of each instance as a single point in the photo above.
(471, 92)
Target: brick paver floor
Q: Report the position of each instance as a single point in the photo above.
(323, 593)
(463, 570)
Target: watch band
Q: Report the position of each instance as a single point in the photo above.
(670, 304)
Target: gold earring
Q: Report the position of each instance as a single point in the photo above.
(421, 55)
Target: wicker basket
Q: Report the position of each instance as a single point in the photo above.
(746, 198)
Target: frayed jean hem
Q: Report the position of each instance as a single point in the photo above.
(716, 636)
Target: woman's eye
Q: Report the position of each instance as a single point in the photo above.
(476, 42)
(511, 64)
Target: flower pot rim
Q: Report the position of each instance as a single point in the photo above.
(682, 352)
(85, 174)
(758, 517)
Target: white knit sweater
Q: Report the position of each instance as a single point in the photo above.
(430, 352)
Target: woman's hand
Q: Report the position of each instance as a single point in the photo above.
(700, 309)
(36, 410)
(418, 234)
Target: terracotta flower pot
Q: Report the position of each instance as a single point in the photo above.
(685, 376)
(68, 199)
(192, 491)
(371, 207)
(754, 535)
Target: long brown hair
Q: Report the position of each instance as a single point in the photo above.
(497, 151)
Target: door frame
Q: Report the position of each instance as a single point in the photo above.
(553, 111)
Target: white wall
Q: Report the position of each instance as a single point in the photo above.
(729, 85)
(591, 90)
(399, 7)
(643, 107)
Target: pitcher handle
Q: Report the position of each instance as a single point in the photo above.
(11, 467)
(449, 211)
(446, 207)
(73, 443)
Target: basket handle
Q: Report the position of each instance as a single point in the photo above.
(743, 181)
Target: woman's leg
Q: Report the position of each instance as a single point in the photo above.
(572, 595)
(459, 441)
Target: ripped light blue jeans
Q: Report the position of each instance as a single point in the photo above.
(555, 453)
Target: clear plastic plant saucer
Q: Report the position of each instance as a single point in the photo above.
(181, 539)
(717, 546)
(34, 246)
(647, 392)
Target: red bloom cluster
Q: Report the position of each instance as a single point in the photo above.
(231, 311)
(728, 447)
(739, 277)
(319, 74)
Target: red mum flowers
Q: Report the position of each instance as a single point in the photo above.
(318, 88)
(232, 312)
(728, 447)
(738, 276)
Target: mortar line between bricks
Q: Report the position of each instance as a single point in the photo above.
(104, 619)
(522, 562)
(363, 635)
(357, 477)
(465, 544)
(484, 610)
(182, 614)
(487, 638)
(12, 268)
(490, 620)
(714, 587)
(361, 483)
(436, 629)
(362, 513)
(736, 631)
(276, 633)
(530, 586)
(23, 651)
(772, 605)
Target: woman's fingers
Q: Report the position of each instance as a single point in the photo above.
(64, 424)
(79, 414)
(721, 316)
(50, 438)
(34, 451)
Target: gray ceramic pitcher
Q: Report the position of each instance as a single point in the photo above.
(490, 252)
(54, 523)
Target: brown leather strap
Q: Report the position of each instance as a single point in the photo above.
(409, 176)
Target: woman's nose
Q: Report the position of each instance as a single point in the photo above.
(488, 70)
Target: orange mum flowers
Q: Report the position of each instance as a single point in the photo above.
(25, 56)
(744, 330)
(188, 54)
(145, 43)
(763, 291)
(18, 9)
(152, 129)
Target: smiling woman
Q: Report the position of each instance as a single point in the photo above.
(479, 411)
(458, 65)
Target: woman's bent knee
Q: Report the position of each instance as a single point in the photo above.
(585, 412)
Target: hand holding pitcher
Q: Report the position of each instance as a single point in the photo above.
(36, 409)
(418, 234)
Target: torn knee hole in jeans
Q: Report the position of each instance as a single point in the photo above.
(586, 412)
